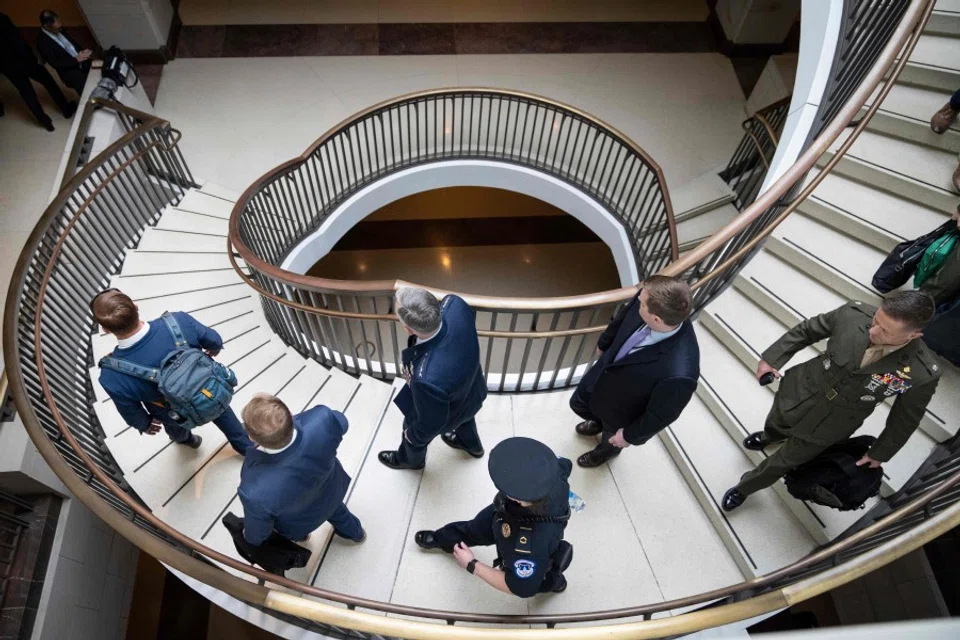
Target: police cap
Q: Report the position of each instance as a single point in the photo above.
(523, 468)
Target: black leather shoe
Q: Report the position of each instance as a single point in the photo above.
(389, 458)
(561, 585)
(70, 110)
(48, 125)
(598, 456)
(427, 541)
(363, 536)
(756, 441)
(453, 441)
(194, 441)
(589, 428)
(732, 499)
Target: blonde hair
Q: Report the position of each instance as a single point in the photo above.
(268, 421)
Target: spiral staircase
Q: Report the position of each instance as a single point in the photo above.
(653, 547)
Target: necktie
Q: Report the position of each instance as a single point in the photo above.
(638, 336)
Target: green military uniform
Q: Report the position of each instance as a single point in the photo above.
(944, 285)
(825, 400)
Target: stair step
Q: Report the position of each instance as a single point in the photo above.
(248, 366)
(905, 114)
(706, 223)
(932, 63)
(945, 19)
(174, 219)
(169, 263)
(218, 191)
(299, 392)
(712, 463)
(197, 201)
(179, 242)
(162, 286)
(700, 195)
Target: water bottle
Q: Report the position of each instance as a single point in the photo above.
(576, 502)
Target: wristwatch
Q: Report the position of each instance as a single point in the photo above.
(471, 565)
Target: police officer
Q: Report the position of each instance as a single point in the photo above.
(871, 354)
(445, 384)
(525, 521)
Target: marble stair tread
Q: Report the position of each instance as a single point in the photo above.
(719, 462)
(950, 6)
(199, 503)
(383, 499)
(897, 216)
(174, 219)
(176, 242)
(916, 103)
(218, 191)
(204, 304)
(301, 390)
(937, 51)
(197, 201)
(702, 192)
(547, 417)
(251, 365)
(364, 411)
(706, 224)
(806, 297)
(161, 286)
(759, 330)
(933, 167)
(110, 420)
(141, 263)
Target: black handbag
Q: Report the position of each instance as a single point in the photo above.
(833, 478)
(900, 265)
(276, 554)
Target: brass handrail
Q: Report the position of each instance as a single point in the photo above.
(282, 602)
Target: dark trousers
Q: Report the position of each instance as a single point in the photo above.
(21, 80)
(955, 100)
(228, 423)
(413, 444)
(479, 533)
(791, 454)
(345, 525)
(580, 405)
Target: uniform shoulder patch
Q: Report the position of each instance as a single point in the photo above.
(524, 568)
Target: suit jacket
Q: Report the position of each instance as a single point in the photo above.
(15, 53)
(298, 489)
(136, 399)
(73, 73)
(647, 390)
(446, 386)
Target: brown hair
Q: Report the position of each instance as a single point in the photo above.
(115, 311)
(913, 308)
(268, 421)
(669, 298)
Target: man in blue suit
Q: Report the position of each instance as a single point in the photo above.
(445, 384)
(139, 401)
(292, 482)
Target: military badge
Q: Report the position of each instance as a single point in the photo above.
(867, 398)
(524, 568)
(523, 539)
(903, 374)
(892, 382)
(826, 364)
(505, 530)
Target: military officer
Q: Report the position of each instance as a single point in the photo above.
(871, 354)
(525, 522)
(445, 384)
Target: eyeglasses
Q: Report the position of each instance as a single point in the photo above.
(111, 289)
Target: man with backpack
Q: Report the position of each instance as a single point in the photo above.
(871, 354)
(158, 375)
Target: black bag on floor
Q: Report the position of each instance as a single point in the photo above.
(276, 554)
(899, 266)
(833, 478)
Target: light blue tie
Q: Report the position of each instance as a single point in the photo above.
(638, 336)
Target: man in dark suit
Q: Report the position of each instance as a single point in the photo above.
(62, 52)
(646, 374)
(445, 384)
(19, 64)
(292, 482)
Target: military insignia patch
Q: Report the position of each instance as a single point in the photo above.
(505, 530)
(866, 398)
(894, 383)
(826, 364)
(524, 568)
(903, 374)
(523, 539)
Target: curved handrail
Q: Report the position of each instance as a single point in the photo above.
(129, 527)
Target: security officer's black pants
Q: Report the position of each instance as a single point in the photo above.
(413, 444)
(21, 80)
(791, 454)
(479, 533)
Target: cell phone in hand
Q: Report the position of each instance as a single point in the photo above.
(766, 378)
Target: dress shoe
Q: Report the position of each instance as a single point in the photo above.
(956, 179)
(194, 441)
(427, 541)
(561, 585)
(363, 536)
(942, 119)
(756, 441)
(48, 125)
(598, 456)
(453, 441)
(732, 499)
(589, 428)
(389, 458)
(70, 110)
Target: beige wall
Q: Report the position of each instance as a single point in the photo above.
(25, 13)
(464, 202)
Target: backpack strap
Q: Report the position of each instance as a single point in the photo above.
(179, 341)
(131, 369)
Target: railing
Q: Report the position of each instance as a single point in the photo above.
(79, 243)
(527, 345)
(750, 163)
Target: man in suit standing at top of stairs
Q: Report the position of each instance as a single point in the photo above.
(871, 354)
(445, 384)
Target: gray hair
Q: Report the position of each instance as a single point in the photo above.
(418, 309)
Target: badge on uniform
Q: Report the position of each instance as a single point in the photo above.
(505, 529)
(524, 568)
(826, 364)
(894, 383)
(867, 398)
